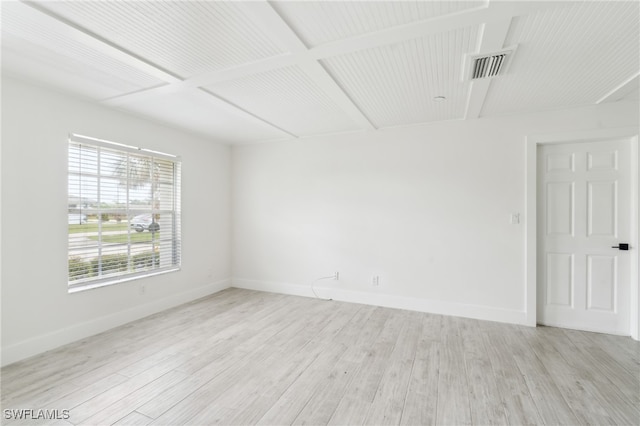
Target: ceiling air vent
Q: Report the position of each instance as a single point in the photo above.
(488, 65)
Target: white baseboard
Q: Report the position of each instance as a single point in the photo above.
(46, 342)
(389, 301)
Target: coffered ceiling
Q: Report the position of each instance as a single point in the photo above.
(245, 72)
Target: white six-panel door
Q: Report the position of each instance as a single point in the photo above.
(583, 211)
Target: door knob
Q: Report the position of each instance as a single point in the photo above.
(622, 246)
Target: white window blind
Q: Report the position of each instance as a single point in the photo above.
(124, 212)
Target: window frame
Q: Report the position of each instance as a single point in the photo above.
(176, 227)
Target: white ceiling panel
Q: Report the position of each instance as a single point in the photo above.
(40, 48)
(395, 85)
(288, 98)
(247, 71)
(182, 37)
(202, 113)
(568, 56)
(319, 22)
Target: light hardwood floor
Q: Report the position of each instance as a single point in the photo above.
(246, 357)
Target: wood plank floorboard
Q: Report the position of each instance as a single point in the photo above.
(485, 408)
(606, 367)
(106, 353)
(513, 392)
(420, 405)
(569, 380)
(354, 408)
(133, 419)
(454, 405)
(242, 357)
(388, 403)
(313, 397)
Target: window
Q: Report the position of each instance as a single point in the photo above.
(124, 212)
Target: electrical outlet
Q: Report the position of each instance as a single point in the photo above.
(375, 281)
(336, 276)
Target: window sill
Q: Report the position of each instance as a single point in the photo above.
(118, 280)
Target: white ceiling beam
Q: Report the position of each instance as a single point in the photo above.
(496, 11)
(264, 15)
(209, 78)
(493, 36)
(622, 90)
(244, 70)
(211, 98)
(226, 105)
(39, 14)
(329, 86)
(271, 21)
(260, 12)
(142, 95)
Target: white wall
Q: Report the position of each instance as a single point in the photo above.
(426, 208)
(37, 312)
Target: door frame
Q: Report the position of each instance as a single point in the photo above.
(531, 211)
